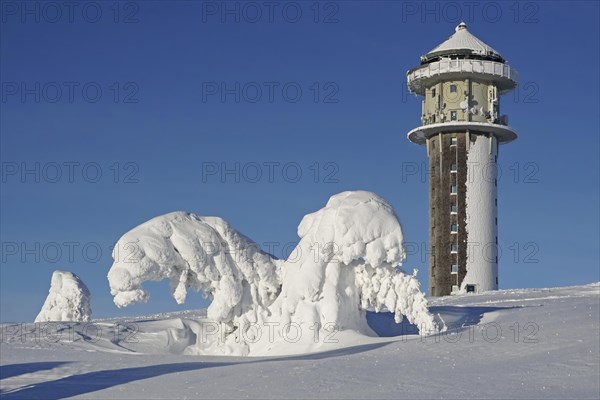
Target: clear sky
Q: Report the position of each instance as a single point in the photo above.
(111, 116)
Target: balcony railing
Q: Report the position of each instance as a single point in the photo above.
(500, 70)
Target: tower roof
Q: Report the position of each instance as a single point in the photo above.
(462, 42)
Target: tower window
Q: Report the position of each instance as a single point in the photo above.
(433, 92)
(453, 168)
(453, 209)
(453, 228)
(453, 189)
(454, 247)
(453, 89)
(453, 141)
(454, 269)
(452, 115)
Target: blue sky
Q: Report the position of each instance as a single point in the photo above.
(110, 117)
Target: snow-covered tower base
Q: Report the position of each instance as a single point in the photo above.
(461, 81)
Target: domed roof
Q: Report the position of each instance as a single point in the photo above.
(463, 43)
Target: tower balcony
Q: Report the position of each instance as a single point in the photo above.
(503, 133)
(503, 75)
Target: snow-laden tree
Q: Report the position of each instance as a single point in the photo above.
(68, 299)
(202, 253)
(346, 262)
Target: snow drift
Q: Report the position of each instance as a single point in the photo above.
(345, 263)
(68, 299)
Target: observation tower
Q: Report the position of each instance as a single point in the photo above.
(461, 82)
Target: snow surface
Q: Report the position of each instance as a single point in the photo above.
(68, 299)
(520, 343)
(345, 264)
(482, 267)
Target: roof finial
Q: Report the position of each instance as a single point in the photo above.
(460, 26)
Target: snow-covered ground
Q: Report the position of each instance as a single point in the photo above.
(529, 343)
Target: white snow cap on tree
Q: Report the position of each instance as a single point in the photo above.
(68, 299)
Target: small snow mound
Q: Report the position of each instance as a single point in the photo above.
(68, 299)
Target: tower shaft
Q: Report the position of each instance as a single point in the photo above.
(462, 212)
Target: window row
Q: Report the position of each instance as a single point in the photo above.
(453, 89)
(453, 142)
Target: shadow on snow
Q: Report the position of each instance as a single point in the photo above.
(8, 371)
(454, 317)
(98, 380)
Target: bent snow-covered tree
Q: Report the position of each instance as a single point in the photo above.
(345, 263)
(202, 253)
